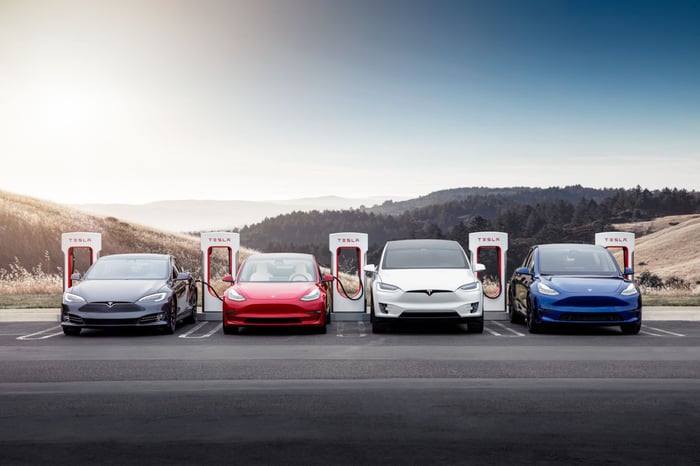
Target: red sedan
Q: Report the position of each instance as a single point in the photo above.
(280, 289)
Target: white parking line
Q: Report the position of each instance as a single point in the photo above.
(663, 331)
(515, 334)
(351, 330)
(494, 333)
(35, 335)
(206, 335)
(193, 329)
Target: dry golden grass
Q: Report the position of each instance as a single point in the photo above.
(669, 248)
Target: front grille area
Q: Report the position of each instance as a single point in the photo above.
(429, 292)
(591, 301)
(279, 320)
(110, 321)
(149, 319)
(590, 317)
(116, 307)
(429, 315)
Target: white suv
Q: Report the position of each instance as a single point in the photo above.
(425, 279)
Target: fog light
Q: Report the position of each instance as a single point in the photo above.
(161, 316)
(475, 307)
(382, 308)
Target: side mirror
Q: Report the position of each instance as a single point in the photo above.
(327, 278)
(522, 271)
(629, 271)
(75, 277)
(183, 276)
(228, 278)
(371, 268)
(479, 267)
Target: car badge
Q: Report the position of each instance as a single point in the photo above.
(590, 289)
(430, 292)
(110, 304)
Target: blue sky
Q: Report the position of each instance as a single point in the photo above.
(139, 101)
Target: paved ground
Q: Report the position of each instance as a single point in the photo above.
(416, 395)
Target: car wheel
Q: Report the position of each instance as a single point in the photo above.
(513, 315)
(71, 331)
(172, 319)
(230, 329)
(530, 321)
(377, 327)
(192, 318)
(475, 326)
(631, 328)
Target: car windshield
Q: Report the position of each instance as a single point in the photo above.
(269, 269)
(434, 257)
(129, 269)
(577, 261)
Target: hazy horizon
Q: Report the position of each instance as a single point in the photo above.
(142, 101)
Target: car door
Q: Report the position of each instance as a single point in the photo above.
(522, 282)
(180, 287)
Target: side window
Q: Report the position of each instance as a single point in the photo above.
(529, 259)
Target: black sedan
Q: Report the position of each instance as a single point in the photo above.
(130, 290)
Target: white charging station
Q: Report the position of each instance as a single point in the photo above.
(623, 241)
(478, 241)
(229, 241)
(78, 240)
(354, 245)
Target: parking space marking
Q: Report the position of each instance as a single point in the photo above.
(505, 327)
(41, 335)
(660, 330)
(492, 332)
(188, 334)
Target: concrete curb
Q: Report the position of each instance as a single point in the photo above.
(651, 313)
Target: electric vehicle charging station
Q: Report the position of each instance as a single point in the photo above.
(229, 242)
(498, 242)
(72, 241)
(618, 240)
(353, 246)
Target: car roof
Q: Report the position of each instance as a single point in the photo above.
(281, 255)
(423, 243)
(136, 256)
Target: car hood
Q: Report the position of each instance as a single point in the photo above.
(271, 290)
(116, 290)
(423, 279)
(603, 285)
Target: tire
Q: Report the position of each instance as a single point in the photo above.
(71, 331)
(192, 318)
(475, 326)
(230, 329)
(172, 319)
(377, 327)
(532, 326)
(631, 328)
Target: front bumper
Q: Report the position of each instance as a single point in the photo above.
(599, 310)
(458, 306)
(100, 315)
(275, 315)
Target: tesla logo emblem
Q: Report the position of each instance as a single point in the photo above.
(110, 304)
(590, 289)
(272, 296)
(430, 292)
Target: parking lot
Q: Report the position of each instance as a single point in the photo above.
(415, 395)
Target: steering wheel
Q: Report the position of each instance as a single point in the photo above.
(298, 277)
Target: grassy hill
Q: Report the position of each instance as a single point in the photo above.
(31, 259)
(668, 247)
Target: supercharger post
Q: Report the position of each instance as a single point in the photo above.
(70, 242)
(623, 241)
(351, 246)
(497, 241)
(211, 241)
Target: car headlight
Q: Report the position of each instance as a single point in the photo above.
(72, 298)
(381, 286)
(234, 295)
(312, 295)
(631, 290)
(546, 290)
(153, 298)
(469, 287)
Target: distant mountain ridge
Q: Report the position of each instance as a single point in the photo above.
(201, 215)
